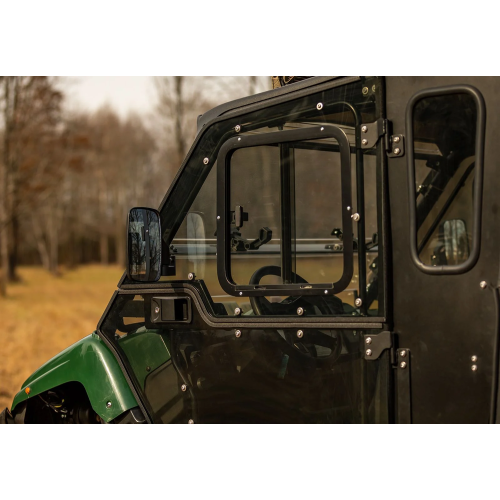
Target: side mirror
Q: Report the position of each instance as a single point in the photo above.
(144, 245)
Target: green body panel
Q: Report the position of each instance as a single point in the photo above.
(146, 350)
(90, 362)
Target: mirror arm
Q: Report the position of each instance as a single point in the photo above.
(167, 260)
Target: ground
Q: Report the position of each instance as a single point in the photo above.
(43, 315)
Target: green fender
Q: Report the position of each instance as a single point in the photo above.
(91, 363)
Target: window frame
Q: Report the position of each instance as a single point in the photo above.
(478, 178)
(223, 211)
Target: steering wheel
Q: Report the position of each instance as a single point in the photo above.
(263, 307)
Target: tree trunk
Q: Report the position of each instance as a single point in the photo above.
(104, 249)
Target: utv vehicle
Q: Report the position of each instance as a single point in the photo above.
(327, 253)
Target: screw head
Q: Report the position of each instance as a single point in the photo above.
(218, 217)
(183, 387)
(368, 352)
(397, 151)
(473, 358)
(402, 353)
(237, 311)
(373, 88)
(358, 302)
(108, 404)
(157, 309)
(402, 364)
(364, 142)
(364, 129)
(396, 139)
(237, 128)
(348, 209)
(474, 368)
(365, 90)
(190, 421)
(238, 333)
(319, 106)
(326, 292)
(190, 276)
(483, 284)
(356, 217)
(205, 161)
(300, 311)
(300, 334)
(148, 368)
(368, 340)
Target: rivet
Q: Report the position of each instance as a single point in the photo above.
(108, 404)
(190, 276)
(205, 161)
(373, 88)
(190, 421)
(348, 209)
(300, 334)
(238, 333)
(157, 309)
(237, 128)
(397, 151)
(218, 217)
(364, 142)
(241, 293)
(319, 106)
(148, 368)
(183, 387)
(365, 90)
(483, 284)
(364, 129)
(473, 368)
(402, 364)
(473, 358)
(358, 302)
(368, 340)
(322, 128)
(402, 353)
(368, 352)
(300, 311)
(396, 138)
(356, 217)
(239, 138)
(237, 311)
(326, 292)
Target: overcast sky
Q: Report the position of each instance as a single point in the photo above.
(124, 93)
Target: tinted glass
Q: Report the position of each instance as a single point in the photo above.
(444, 148)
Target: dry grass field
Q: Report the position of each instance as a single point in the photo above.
(43, 315)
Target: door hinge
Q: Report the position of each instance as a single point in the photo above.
(370, 133)
(376, 344)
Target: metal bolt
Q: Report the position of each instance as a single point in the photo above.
(108, 404)
(237, 128)
(396, 138)
(300, 334)
(364, 142)
(402, 364)
(191, 276)
(148, 368)
(319, 106)
(356, 217)
(373, 88)
(364, 129)
(368, 340)
(473, 358)
(397, 151)
(205, 161)
(402, 353)
(238, 333)
(190, 421)
(326, 292)
(365, 90)
(237, 311)
(358, 302)
(322, 128)
(348, 209)
(218, 217)
(483, 284)
(241, 293)
(157, 309)
(300, 311)
(473, 368)
(368, 352)
(239, 138)
(183, 387)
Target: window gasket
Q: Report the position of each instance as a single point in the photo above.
(478, 177)
(223, 237)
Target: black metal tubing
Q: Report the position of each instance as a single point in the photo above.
(496, 356)
(223, 236)
(478, 179)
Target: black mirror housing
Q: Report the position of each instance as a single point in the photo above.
(144, 245)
